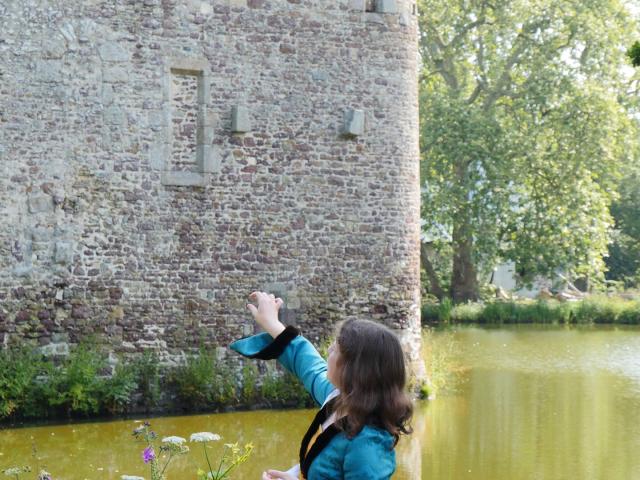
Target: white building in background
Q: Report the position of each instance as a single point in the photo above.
(505, 276)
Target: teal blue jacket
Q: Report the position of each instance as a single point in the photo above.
(369, 455)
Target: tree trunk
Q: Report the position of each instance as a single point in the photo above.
(434, 283)
(464, 279)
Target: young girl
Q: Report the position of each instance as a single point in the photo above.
(360, 389)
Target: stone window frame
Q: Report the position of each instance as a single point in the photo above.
(205, 161)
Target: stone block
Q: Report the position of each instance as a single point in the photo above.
(204, 88)
(63, 253)
(358, 5)
(204, 135)
(319, 75)
(190, 64)
(115, 75)
(114, 116)
(23, 271)
(54, 349)
(375, 18)
(247, 329)
(353, 123)
(49, 71)
(40, 204)
(107, 94)
(41, 234)
(203, 152)
(54, 47)
(157, 155)
(112, 52)
(386, 6)
(240, 120)
(212, 160)
(183, 179)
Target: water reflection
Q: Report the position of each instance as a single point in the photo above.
(539, 404)
(536, 403)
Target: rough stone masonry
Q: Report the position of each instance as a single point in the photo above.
(161, 159)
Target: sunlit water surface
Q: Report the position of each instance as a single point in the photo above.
(533, 403)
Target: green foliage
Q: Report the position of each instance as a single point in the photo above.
(202, 382)
(195, 380)
(33, 386)
(117, 391)
(634, 54)
(19, 368)
(623, 261)
(147, 368)
(444, 310)
(76, 387)
(594, 309)
(525, 125)
(226, 391)
(284, 388)
(249, 391)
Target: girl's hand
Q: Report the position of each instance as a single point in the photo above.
(274, 474)
(266, 313)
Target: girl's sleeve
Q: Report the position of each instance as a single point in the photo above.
(295, 353)
(369, 456)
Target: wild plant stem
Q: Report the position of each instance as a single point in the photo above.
(206, 455)
(166, 464)
(227, 470)
(220, 465)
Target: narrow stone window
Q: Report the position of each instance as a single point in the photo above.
(370, 5)
(184, 120)
(188, 128)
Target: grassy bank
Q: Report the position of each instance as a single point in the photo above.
(594, 309)
(83, 384)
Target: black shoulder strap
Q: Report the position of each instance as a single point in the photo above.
(322, 441)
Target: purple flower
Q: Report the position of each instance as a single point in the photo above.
(148, 454)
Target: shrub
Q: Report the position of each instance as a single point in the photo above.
(224, 387)
(194, 381)
(147, 371)
(117, 391)
(19, 369)
(284, 388)
(202, 382)
(76, 386)
(249, 392)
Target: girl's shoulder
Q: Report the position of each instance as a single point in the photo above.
(373, 438)
(370, 454)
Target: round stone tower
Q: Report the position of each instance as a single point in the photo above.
(161, 159)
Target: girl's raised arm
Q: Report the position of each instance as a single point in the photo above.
(293, 351)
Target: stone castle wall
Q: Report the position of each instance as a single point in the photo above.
(136, 207)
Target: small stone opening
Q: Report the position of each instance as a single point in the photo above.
(184, 120)
(370, 6)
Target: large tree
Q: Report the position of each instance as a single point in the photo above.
(522, 133)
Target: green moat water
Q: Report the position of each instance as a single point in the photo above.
(531, 403)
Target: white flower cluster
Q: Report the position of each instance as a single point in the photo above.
(204, 437)
(174, 440)
(15, 471)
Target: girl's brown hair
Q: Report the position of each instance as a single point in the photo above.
(372, 380)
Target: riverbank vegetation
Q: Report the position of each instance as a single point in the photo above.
(85, 383)
(598, 309)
